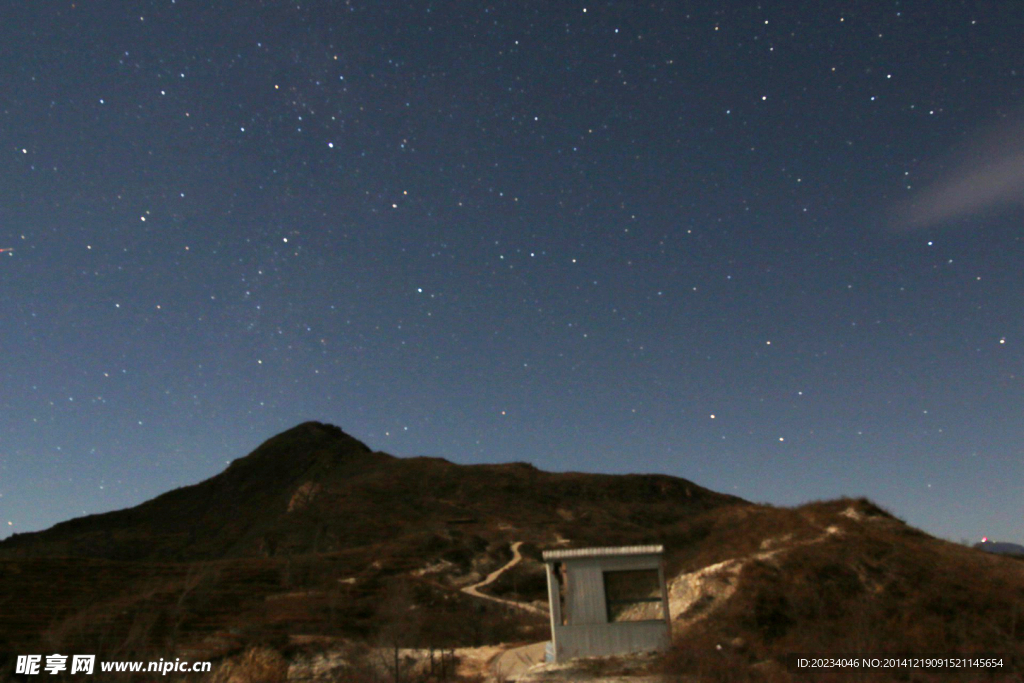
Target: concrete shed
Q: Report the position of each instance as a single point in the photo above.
(607, 601)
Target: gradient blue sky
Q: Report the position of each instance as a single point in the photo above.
(775, 250)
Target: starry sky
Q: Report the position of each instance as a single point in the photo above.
(776, 250)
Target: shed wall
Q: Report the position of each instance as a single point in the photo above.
(589, 633)
(596, 640)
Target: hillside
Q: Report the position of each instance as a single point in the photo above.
(305, 534)
(223, 516)
(317, 549)
(841, 577)
(314, 488)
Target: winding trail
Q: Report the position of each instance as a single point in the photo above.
(493, 576)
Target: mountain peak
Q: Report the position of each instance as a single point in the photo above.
(294, 447)
(312, 427)
(224, 515)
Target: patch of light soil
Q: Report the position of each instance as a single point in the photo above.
(694, 595)
(621, 669)
(437, 567)
(852, 514)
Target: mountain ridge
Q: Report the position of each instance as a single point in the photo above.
(316, 474)
(1000, 548)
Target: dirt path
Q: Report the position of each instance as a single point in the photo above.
(493, 576)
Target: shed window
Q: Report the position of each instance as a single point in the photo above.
(633, 595)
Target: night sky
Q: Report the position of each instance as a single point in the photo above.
(775, 250)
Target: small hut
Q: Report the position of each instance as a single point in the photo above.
(606, 601)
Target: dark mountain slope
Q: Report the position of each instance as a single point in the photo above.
(214, 518)
(315, 488)
(306, 534)
(1000, 548)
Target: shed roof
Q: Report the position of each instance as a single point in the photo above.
(574, 553)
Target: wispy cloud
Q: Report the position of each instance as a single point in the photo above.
(989, 175)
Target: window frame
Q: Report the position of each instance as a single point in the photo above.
(610, 602)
